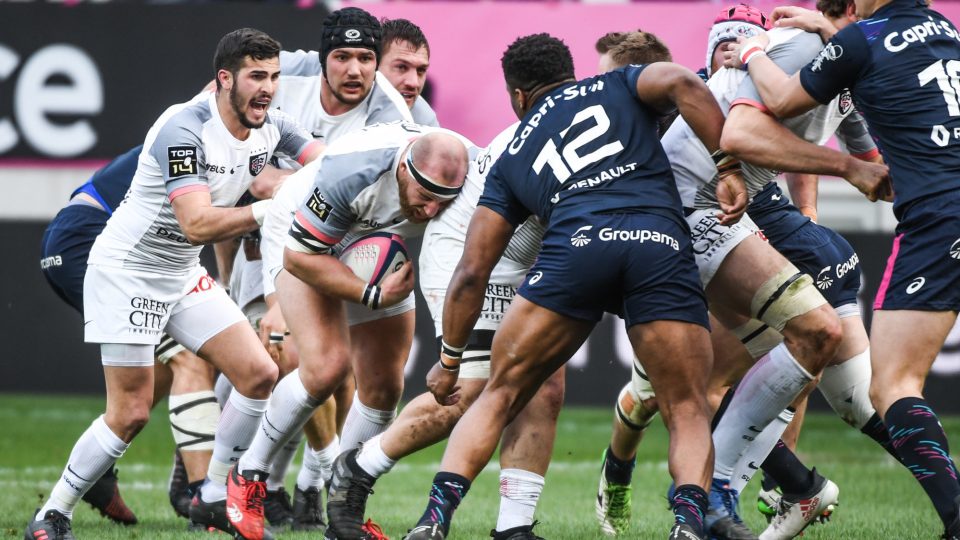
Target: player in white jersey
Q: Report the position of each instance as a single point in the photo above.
(375, 179)
(313, 94)
(406, 58)
(528, 442)
(745, 279)
(144, 275)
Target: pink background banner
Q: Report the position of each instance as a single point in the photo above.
(468, 38)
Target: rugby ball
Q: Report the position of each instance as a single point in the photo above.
(375, 256)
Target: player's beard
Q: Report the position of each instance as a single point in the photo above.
(406, 208)
(237, 102)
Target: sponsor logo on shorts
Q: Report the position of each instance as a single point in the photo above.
(955, 249)
(824, 279)
(183, 160)
(496, 301)
(831, 52)
(642, 235)
(257, 163)
(205, 283)
(318, 205)
(53, 260)
(848, 266)
(535, 278)
(708, 235)
(580, 238)
(147, 315)
(916, 284)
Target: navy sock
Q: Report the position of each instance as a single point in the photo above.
(877, 430)
(788, 471)
(689, 504)
(445, 495)
(616, 470)
(767, 482)
(918, 437)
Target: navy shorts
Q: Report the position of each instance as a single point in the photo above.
(638, 266)
(923, 271)
(65, 247)
(815, 250)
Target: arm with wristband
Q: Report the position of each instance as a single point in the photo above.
(487, 237)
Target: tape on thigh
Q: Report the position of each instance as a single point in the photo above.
(167, 349)
(193, 420)
(788, 294)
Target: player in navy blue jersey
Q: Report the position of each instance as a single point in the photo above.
(902, 64)
(586, 160)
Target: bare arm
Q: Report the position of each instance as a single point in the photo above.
(664, 85)
(268, 181)
(331, 277)
(203, 223)
(757, 138)
(225, 251)
(487, 237)
(803, 192)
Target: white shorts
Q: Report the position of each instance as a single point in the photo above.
(359, 313)
(712, 242)
(273, 236)
(134, 307)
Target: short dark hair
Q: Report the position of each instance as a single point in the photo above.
(833, 8)
(236, 46)
(640, 48)
(537, 59)
(397, 30)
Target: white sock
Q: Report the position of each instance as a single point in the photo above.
(281, 461)
(93, 454)
(317, 466)
(769, 386)
(373, 460)
(846, 388)
(362, 423)
(222, 389)
(290, 408)
(757, 451)
(519, 493)
(238, 423)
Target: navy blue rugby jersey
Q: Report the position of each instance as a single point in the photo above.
(110, 183)
(586, 147)
(903, 68)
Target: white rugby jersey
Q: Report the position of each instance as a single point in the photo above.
(455, 219)
(791, 49)
(299, 96)
(355, 192)
(188, 149)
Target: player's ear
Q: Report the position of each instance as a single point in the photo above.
(225, 78)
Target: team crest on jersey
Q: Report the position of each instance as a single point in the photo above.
(257, 163)
(845, 102)
(183, 160)
(829, 53)
(318, 205)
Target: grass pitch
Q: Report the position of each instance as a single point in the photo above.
(879, 498)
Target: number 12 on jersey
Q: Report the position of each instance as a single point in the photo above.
(568, 161)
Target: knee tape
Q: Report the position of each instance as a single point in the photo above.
(847, 389)
(167, 349)
(630, 409)
(786, 295)
(193, 420)
(758, 338)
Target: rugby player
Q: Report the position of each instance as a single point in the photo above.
(144, 275)
(406, 58)
(312, 90)
(606, 191)
(528, 440)
(727, 258)
(900, 62)
(374, 179)
(193, 419)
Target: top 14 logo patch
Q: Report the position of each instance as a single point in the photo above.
(182, 160)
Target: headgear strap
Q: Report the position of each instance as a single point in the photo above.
(441, 191)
